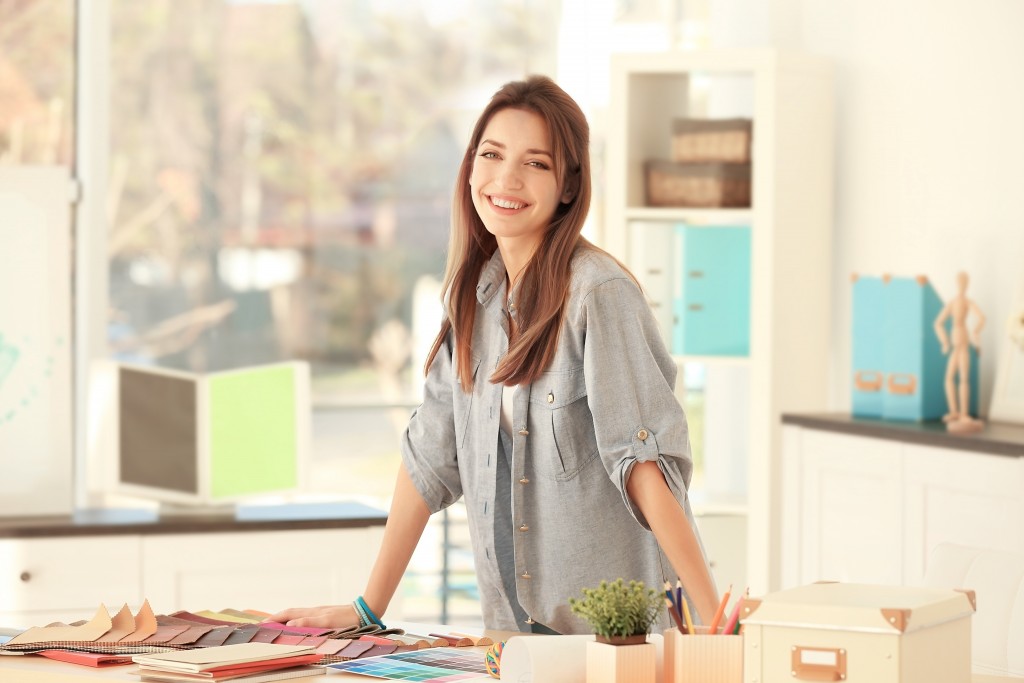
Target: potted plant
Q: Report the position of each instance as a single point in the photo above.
(621, 615)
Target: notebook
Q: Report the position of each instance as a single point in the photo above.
(221, 656)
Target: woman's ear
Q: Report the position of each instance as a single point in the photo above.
(569, 192)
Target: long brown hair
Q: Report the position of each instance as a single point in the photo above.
(470, 245)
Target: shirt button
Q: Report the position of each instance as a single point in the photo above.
(529, 620)
(524, 432)
(526, 575)
(524, 481)
(524, 528)
(551, 397)
(642, 435)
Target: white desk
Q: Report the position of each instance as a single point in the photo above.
(36, 669)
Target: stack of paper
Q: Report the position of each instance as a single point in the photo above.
(241, 663)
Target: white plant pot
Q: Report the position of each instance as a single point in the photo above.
(621, 663)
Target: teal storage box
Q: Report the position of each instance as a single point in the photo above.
(712, 296)
(868, 349)
(914, 364)
(899, 369)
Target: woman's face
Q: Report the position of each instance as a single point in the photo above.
(513, 183)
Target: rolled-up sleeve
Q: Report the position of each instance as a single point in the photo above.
(428, 444)
(630, 378)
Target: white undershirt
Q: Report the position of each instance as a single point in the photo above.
(507, 394)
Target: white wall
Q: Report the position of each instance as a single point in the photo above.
(930, 148)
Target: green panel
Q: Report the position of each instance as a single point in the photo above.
(253, 446)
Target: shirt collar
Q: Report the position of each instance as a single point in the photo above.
(492, 277)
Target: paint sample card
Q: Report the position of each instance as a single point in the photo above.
(434, 665)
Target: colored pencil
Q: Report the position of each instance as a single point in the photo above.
(687, 617)
(713, 629)
(679, 598)
(675, 617)
(734, 618)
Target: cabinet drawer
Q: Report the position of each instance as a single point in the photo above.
(69, 573)
(268, 570)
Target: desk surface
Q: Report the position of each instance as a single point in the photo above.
(36, 669)
(115, 522)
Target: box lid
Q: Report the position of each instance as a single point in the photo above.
(859, 607)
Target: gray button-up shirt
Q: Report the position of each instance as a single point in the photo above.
(605, 403)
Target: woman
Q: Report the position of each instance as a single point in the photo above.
(548, 401)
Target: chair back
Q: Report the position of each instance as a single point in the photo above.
(997, 578)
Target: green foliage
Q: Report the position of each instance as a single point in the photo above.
(619, 609)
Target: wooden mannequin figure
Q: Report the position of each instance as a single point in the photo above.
(958, 369)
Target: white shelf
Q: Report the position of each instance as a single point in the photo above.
(731, 361)
(690, 216)
(789, 98)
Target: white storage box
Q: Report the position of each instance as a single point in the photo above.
(858, 633)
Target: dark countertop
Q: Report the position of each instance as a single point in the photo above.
(110, 522)
(997, 438)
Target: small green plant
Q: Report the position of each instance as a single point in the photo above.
(618, 609)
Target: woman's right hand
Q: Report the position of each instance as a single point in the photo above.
(325, 616)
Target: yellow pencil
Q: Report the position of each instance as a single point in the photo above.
(686, 616)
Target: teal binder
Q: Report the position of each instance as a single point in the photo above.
(868, 348)
(914, 362)
(899, 369)
(712, 300)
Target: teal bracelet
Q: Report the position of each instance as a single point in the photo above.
(364, 611)
(363, 619)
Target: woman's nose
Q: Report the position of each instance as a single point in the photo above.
(508, 176)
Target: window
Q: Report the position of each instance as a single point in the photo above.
(37, 78)
(280, 182)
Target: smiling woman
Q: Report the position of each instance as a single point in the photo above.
(552, 415)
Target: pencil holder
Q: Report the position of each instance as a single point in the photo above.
(703, 658)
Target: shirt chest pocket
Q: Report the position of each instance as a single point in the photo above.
(563, 427)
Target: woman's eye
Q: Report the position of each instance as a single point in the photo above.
(539, 164)
(489, 155)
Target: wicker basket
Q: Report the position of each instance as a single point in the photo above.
(697, 185)
(711, 140)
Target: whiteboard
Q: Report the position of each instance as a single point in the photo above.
(35, 341)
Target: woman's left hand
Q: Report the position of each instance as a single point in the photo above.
(325, 616)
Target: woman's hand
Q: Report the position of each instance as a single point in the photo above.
(325, 616)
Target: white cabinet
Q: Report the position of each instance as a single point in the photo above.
(789, 98)
(262, 570)
(960, 497)
(870, 510)
(847, 509)
(724, 535)
(67, 578)
(64, 579)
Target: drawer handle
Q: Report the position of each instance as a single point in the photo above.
(818, 663)
(696, 273)
(25, 577)
(695, 307)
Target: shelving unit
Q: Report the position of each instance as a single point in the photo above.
(789, 98)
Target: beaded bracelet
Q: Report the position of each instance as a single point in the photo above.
(366, 615)
(363, 619)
